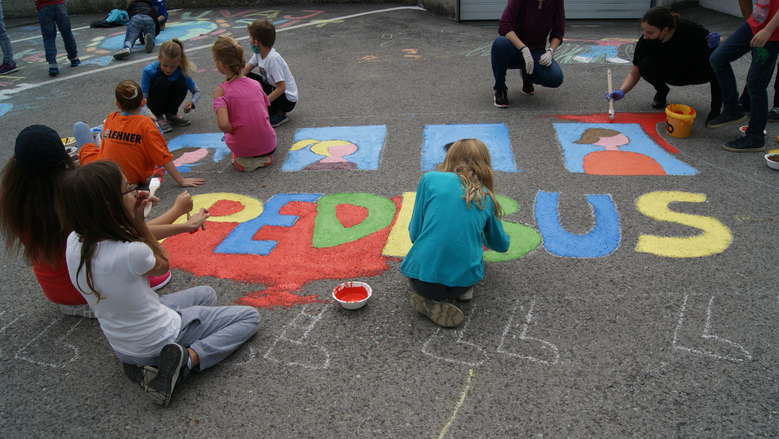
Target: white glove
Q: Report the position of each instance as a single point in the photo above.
(528, 60)
(547, 57)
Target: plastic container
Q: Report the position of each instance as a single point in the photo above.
(772, 160)
(352, 295)
(679, 120)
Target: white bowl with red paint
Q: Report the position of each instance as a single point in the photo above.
(772, 160)
(352, 295)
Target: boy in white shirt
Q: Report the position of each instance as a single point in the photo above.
(276, 78)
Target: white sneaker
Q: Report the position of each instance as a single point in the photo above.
(466, 296)
(122, 54)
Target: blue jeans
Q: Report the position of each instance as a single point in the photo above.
(5, 43)
(505, 56)
(140, 24)
(51, 18)
(760, 72)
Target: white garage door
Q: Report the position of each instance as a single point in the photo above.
(491, 9)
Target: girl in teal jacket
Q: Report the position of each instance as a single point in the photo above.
(455, 216)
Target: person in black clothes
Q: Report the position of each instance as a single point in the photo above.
(672, 51)
(144, 24)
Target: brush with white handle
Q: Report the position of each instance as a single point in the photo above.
(611, 90)
(154, 184)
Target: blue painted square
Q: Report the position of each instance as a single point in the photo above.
(341, 148)
(636, 145)
(495, 136)
(213, 142)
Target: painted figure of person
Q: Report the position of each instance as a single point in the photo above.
(526, 27)
(611, 160)
(334, 152)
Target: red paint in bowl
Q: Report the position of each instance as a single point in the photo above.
(351, 293)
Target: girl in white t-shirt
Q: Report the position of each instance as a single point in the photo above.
(109, 254)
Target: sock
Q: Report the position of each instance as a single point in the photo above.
(189, 363)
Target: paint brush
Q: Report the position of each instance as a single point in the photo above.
(611, 89)
(154, 184)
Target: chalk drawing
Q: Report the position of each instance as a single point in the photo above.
(204, 143)
(448, 345)
(411, 54)
(714, 239)
(523, 346)
(582, 51)
(5, 108)
(495, 136)
(336, 148)
(707, 343)
(460, 401)
(291, 348)
(185, 30)
(5, 327)
(49, 346)
(615, 149)
(602, 240)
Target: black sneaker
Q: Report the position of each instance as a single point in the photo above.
(745, 144)
(278, 119)
(726, 119)
(75, 62)
(149, 43)
(659, 101)
(54, 71)
(501, 99)
(528, 89)
(173, 358)
(773, 114)
(141, 375)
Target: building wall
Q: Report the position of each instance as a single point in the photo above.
(726, 6)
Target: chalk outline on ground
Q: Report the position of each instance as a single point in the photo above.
(707, 335)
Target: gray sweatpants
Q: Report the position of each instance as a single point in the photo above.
(213, 332)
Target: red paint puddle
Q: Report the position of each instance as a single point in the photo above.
(648, 122)
(350, 215)
(225, 207)
(351, 294)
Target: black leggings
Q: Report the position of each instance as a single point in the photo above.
(439, 292)
(281, 104)
(165, 97)
(661, 75)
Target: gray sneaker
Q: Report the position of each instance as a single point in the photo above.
(466, 296)
(164, 125)
(441, 313)
(122, 54)
(177, 121)
(149, 41)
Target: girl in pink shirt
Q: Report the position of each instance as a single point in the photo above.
(242, 110)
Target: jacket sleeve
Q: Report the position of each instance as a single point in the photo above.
(508, 21)
(558, 24)
(418, 215)
(494, 235)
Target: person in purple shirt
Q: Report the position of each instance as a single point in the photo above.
(525, 28)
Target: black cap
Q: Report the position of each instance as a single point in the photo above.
(39, 147)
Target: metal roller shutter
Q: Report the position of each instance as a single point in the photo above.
(597, 9)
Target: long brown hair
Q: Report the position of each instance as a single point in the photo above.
(470, 160)
(592, 135)
(28, 217)
(91, 204)
(174, 49)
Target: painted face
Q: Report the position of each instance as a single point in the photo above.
(169, 65)
(613, 141)
(342, 150)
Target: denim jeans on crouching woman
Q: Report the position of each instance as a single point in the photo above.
(761, 69)
(51, 18)
(140, 24)
(505, 56)
(5, 43)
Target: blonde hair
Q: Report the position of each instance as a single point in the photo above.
(174, 49)
(592, 135)
(470, 160)
(229, 53)
(128, 95)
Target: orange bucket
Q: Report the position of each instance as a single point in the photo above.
(679, 120)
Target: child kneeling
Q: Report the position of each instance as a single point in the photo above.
(110, 254)
(455, 215)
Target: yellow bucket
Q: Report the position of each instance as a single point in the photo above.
(679, 120)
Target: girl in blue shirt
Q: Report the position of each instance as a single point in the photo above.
(455, 215)
(165, 84)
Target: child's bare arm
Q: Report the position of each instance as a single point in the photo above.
(222, 114)
(281, 86)
(248, 68)
(183, 182)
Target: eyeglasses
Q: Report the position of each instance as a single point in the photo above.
(130, 189)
